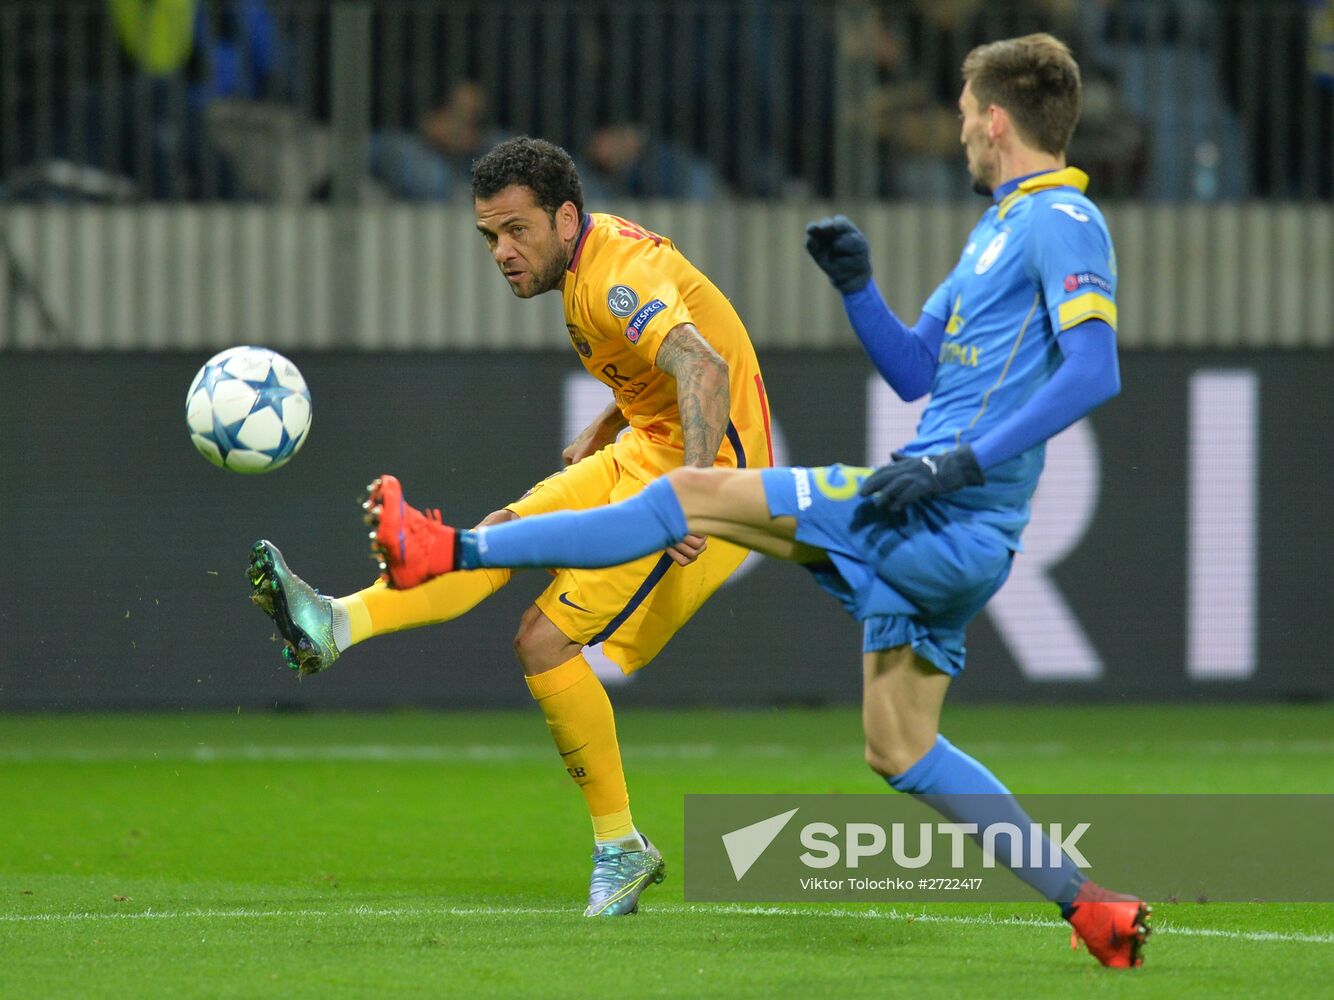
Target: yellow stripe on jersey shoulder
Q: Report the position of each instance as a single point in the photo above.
(1065, 177)
(1090, 305)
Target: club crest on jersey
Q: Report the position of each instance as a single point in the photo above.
(580, 343)
(622, 300)
(636, 328)
(992, 251)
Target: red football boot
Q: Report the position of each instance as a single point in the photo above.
(1111, 924)
(412, 546)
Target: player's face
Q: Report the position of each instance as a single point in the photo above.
(530, 247)
(983, 160)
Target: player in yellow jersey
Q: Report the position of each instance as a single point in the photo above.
(684, 380)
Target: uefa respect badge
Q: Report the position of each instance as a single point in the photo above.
(887, 848)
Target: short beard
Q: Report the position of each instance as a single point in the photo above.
(981, 187)
(550, 277)
(545, 280)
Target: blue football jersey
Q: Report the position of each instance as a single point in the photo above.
(1038, 262)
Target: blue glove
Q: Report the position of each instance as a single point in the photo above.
(907, 480)
(841, 251)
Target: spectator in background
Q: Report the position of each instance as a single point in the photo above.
(1167, 78)
(433, 162)
(141, 130)
(237, 53)
(712, 124)
(240, 86)
(909, 114)
(628, 161)
(910, 53)
(702, 119)
(234, 54)
(158, 37)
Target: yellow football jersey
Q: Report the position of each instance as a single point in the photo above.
(626, 289)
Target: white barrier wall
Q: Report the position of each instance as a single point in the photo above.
(396, 277)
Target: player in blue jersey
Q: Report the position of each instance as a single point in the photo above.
(1017, 343)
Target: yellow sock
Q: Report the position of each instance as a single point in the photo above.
(580, 718)
(379, 609)
(616, 826)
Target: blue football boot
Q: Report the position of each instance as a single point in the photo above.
(619, 877)
(303, 615)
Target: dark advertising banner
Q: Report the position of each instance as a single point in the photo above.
(1179, 549)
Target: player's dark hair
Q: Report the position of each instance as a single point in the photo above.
(1036, 80)
(542, 167)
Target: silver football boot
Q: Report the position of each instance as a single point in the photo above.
(619, 877)
(303, 615)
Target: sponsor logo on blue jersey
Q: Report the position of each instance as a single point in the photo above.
(622, 300)
(1073, 282)
(968, 355)
(636, 328)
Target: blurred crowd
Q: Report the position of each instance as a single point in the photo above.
(251, 99)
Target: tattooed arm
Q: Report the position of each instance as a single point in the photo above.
(702, 392)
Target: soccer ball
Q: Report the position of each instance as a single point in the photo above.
(248, 410)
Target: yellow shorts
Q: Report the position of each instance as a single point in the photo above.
(631, 609)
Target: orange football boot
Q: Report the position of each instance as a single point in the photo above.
(1113, 926)
(411, 546)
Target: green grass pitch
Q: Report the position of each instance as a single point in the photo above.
(253, 855)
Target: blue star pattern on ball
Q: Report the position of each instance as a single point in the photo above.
(248, 410)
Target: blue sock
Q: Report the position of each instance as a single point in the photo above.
(603, 536)
(963, 791)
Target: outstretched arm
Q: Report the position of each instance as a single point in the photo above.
(904, 356)
(703, 394)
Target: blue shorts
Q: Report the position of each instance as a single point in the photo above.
(916, 578)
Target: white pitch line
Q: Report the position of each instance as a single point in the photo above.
(1171, 930)
(373, 753)
(491, 752)
(1174, 930)
(360, 911)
